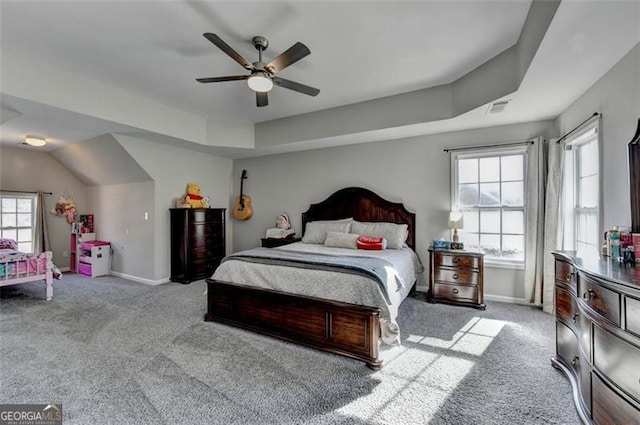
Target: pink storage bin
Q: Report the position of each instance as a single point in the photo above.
(85, 259)
(90, 244)
(84, 269)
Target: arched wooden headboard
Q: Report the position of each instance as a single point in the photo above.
(363, 205)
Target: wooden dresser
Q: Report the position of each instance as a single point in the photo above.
(456, 277)
(597, 304)
(197, 242)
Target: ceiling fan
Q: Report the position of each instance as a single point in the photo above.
(262, 77)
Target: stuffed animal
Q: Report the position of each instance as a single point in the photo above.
(193, 197)
(206, 202)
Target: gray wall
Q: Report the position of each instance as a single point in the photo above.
(30, 170)
(414, 171)
(119, 214)
(617, 96)
(171, 168)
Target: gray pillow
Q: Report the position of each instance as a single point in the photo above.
(395, 234)
(341, 240)
(316, 231)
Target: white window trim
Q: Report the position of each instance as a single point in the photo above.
(570, 205)
(488, 152)
(33, 197)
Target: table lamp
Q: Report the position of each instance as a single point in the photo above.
(456, 221)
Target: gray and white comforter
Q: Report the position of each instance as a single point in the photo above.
(400, 273)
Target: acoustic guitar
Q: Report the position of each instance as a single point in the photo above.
(242, 207)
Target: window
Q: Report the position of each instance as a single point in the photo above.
(488, 188)
(581, 191)
(17, 219)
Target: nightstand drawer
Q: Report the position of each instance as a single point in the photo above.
(460, 261)
(458, 277)
(453, 292)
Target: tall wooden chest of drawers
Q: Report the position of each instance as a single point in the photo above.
(456, 277)
(597, 303)
(197, 242)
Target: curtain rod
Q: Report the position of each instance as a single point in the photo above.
(498, 145)
(595, 114)
(25, 191)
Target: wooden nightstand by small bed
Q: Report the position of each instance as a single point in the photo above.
(276, 242)
(456, 277)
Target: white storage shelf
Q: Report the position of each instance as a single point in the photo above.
(95, 261)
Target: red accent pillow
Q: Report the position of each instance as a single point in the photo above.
(371, 243)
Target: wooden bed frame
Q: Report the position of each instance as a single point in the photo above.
(336, 327)
(39, 274)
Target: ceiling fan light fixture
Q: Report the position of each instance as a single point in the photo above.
(260, 82)
(35, 141)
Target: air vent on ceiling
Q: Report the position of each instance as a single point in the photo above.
(497, 107)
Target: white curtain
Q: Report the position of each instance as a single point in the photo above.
(534, 222)
(41, 237)
(552, 220)
(543, 227)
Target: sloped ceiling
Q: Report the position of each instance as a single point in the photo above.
(101, 161)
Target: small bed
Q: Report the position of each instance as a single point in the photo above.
(18, 267)
(314, 314)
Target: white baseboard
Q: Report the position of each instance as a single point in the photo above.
(503, 299)
(139, 279)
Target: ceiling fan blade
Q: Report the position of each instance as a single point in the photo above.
(219, 79)
(292, 85)
(228, 50)
(262, 98)
(291, 55)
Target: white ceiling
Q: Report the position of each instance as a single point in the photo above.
(361, 50)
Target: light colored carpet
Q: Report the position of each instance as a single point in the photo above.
(119, 352)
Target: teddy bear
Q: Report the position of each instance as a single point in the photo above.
(193, 197)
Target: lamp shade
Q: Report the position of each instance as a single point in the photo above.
(456, 220)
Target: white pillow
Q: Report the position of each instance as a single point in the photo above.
(316, 231)
(395, 234)
(341, 240)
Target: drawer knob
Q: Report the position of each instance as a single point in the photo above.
(455, 260)
(575, 317)
(455, 290)
(575, 360)
(455, 276)
(588, 295)
(570, 276)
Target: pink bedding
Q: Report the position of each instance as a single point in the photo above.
(14, 263)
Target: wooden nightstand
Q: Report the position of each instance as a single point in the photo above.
(275, 242)
(456, 277)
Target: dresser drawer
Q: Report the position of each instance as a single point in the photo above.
(565, 273)
(609, 408)
(204, 253)
(633, 315)
(207, 215)
(205, 229)
(202, 269)
(458, 277)
(455, 293)
(601, 300)
(566, 344)
(566, 307)
(618, 360)
(460, 261)
(206, 241)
